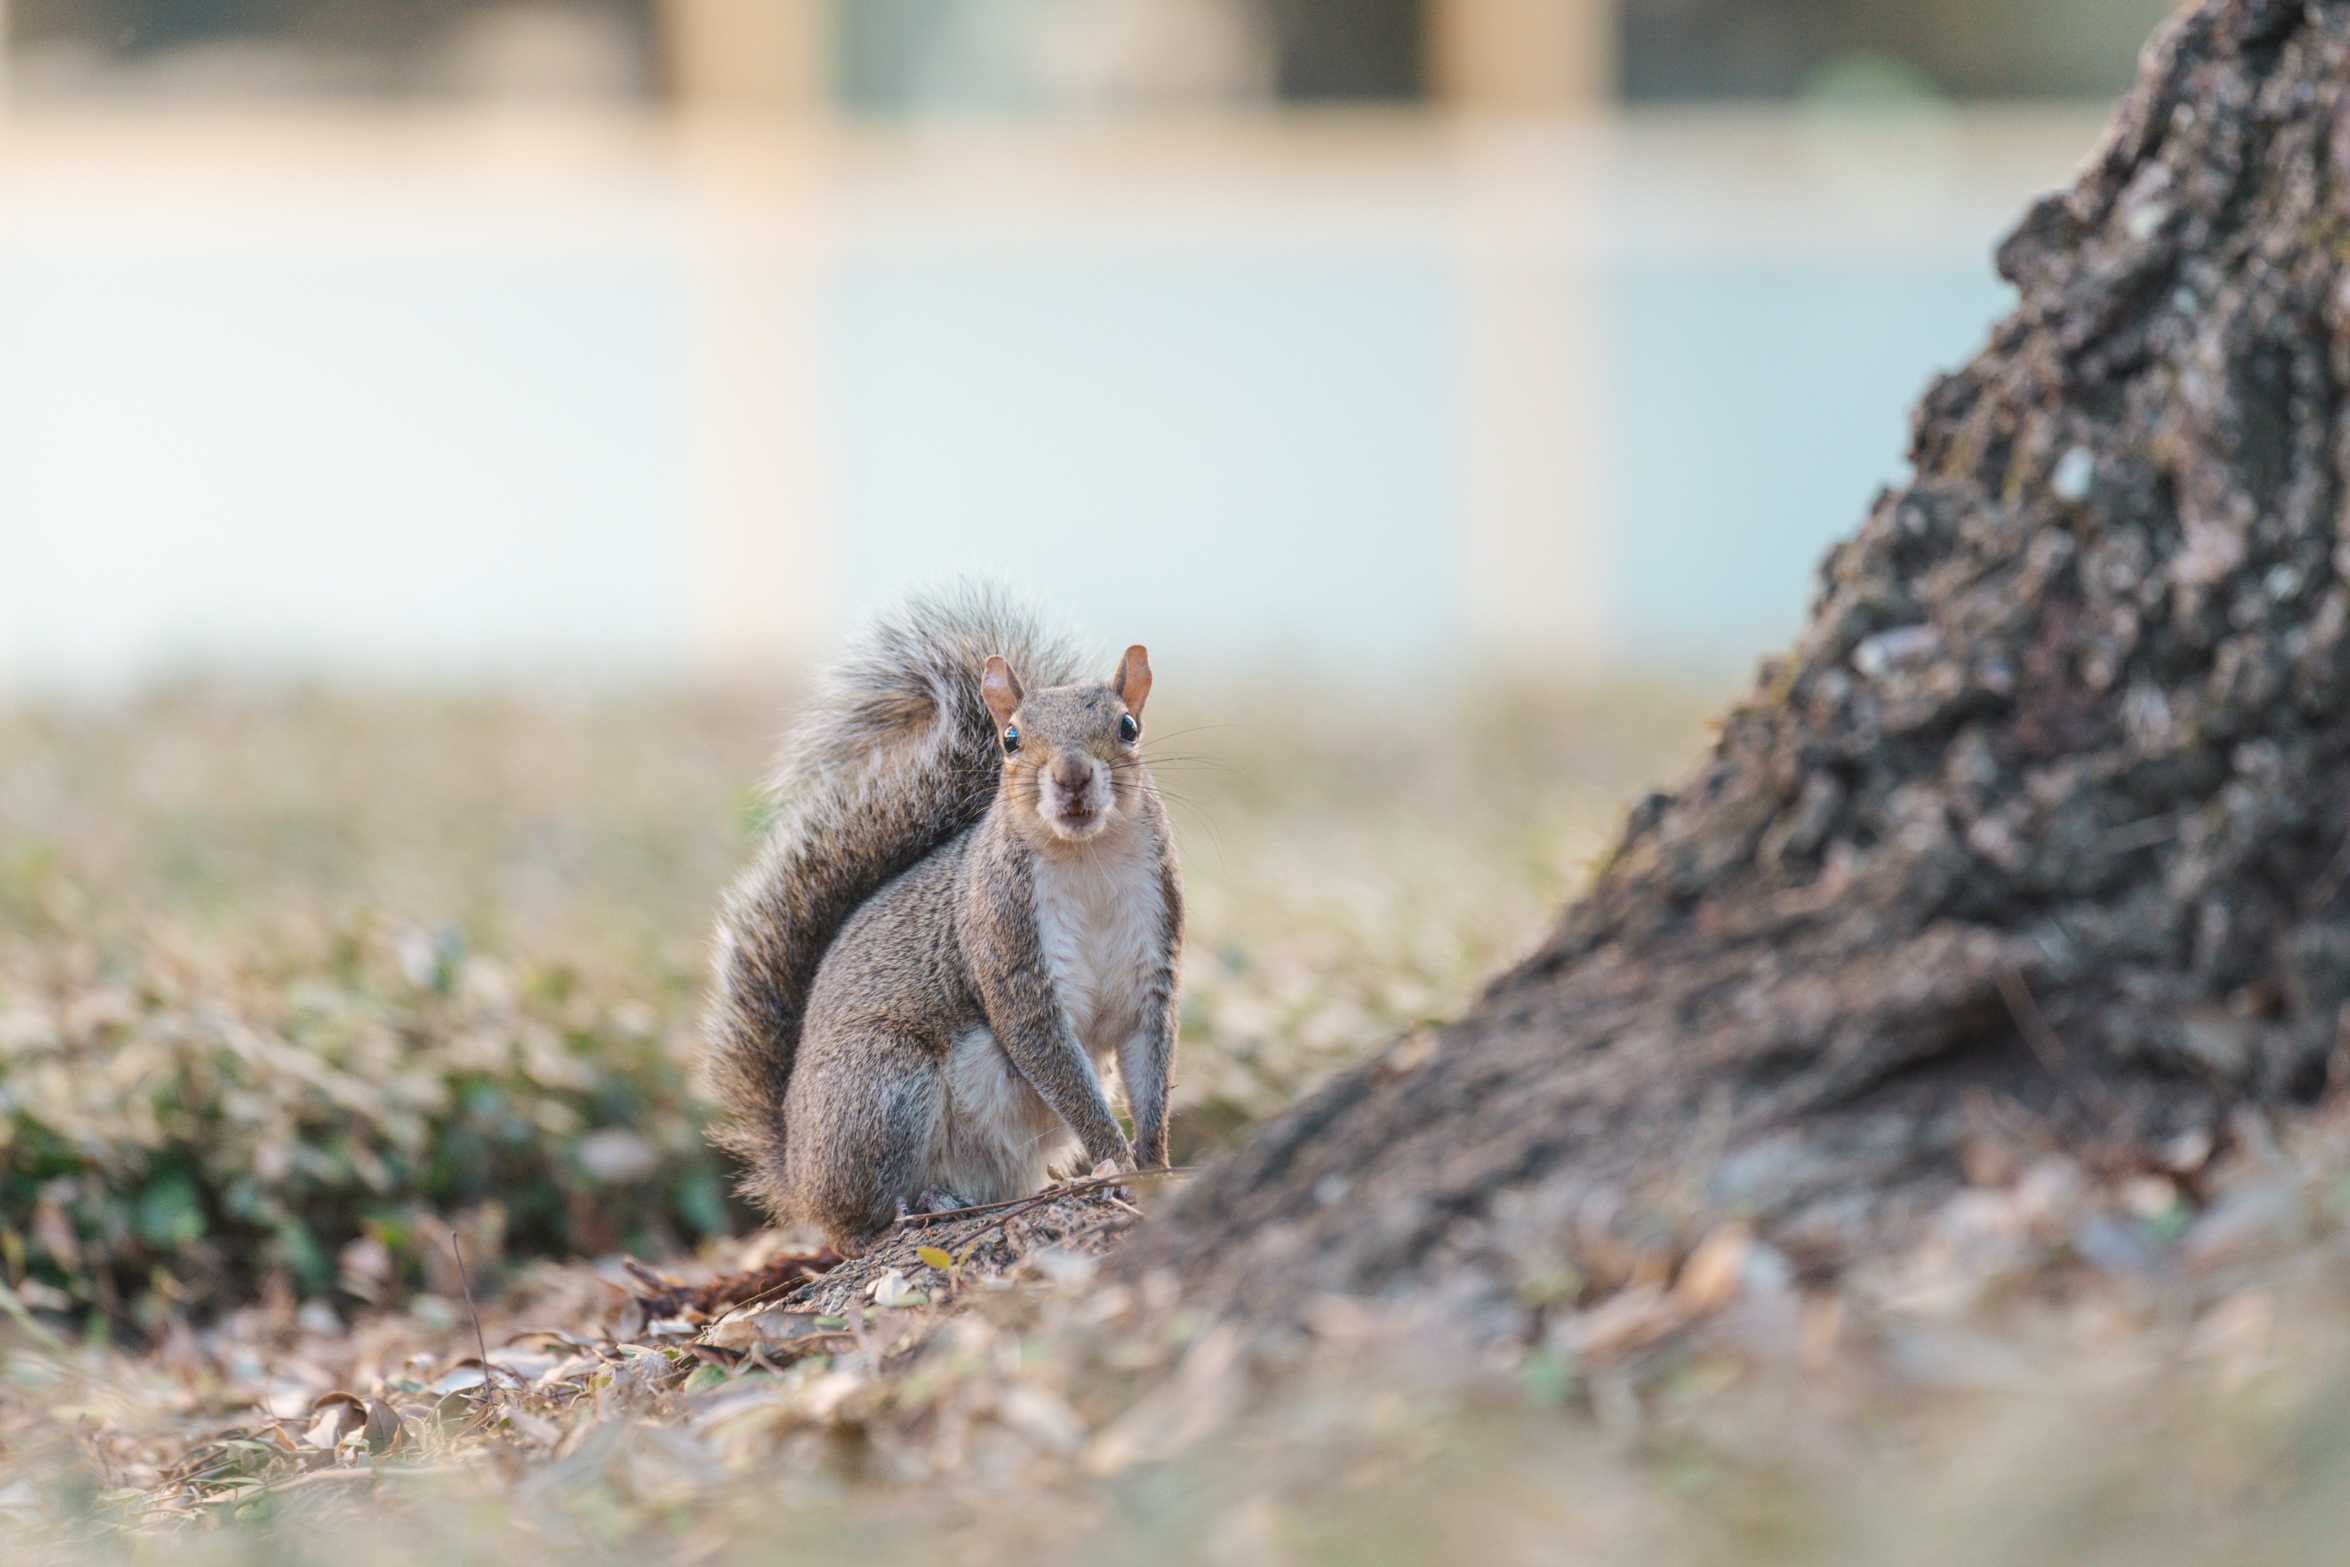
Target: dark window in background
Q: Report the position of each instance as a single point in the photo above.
(1700, 49)
(387, 46)
(895, 56)
(1346, 49)
(129, 29)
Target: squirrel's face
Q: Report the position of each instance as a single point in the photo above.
(1072, 754)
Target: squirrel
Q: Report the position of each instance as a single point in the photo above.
(967, 907)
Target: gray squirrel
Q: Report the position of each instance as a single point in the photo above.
(967, 907)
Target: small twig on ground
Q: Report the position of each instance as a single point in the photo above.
(331, 1477)
(664, 1298)
(772, 1292)
(2029, 1020)
(1017, 1206)
(1037, 1199)
(489, 1373)
(723, 1297)
(2042, 1039)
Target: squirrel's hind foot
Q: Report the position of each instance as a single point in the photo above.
(933, 1199)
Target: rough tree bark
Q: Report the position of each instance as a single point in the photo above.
(2045, 810)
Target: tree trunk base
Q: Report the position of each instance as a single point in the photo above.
(2037, 835)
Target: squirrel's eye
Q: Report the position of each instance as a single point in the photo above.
(1128, 729)
(1011, 739)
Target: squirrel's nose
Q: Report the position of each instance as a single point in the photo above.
(1073, 773)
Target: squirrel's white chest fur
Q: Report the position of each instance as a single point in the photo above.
(1100, 917)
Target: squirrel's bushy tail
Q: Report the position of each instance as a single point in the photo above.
(895, 755)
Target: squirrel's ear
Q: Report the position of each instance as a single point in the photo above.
(1000, 688)
(1132, 682)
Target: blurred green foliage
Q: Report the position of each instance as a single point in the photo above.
(179, 1137)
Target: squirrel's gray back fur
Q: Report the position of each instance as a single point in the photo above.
(893, 757)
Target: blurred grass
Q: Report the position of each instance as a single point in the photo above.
(291, 981)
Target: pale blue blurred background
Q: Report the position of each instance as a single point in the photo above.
(654, 341)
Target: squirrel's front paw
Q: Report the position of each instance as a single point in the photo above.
(1111, 1169)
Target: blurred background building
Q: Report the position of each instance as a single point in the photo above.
(639, 339)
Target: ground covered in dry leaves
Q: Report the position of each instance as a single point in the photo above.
(307, 1001)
